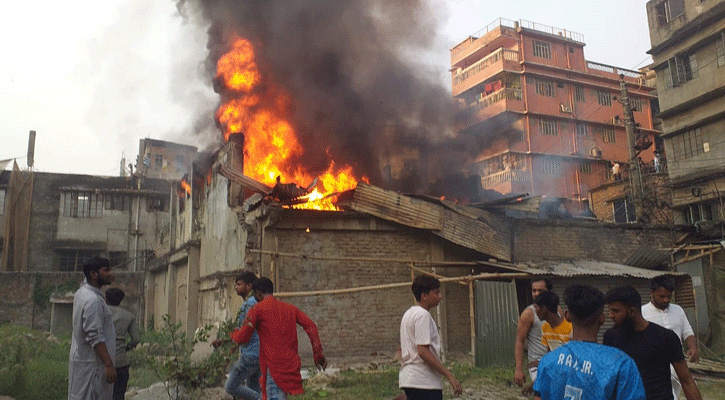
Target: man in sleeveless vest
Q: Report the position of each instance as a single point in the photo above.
(529, 329)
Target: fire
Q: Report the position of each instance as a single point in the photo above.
(270, 142)
(187, 188)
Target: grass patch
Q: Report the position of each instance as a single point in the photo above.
(351, 385)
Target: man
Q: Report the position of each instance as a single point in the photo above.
(652, 347)
(246, 369)
(276, 323)
(556, 331)
(421, 368)
(125, 327)
(529, 328)
(671, 316)
(91, 370)
(616, 172)
(582, 368)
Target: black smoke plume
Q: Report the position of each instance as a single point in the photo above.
(356, 72)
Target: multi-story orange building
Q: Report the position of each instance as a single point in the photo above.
(550, 119)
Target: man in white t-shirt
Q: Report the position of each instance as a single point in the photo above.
(671, 316)
(420, 345)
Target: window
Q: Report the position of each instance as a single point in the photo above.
(581, 129)
(689, 144)
(548, 127)
(609, 135)
(542, 49)
(2, 201)
(624, 211)
(579, 93)
(585, 167)
(635, 103)
(604, 98)
(669, 10)
(158, 161)
(118, 259)
(82, 205)
(720, 50)
(544, 87)
(550, 166)
(157, 203)
(680, 69)
(116, 202)
(697, 212)
(73, 259)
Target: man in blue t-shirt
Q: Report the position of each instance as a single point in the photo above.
(582, 368)
(247, 366)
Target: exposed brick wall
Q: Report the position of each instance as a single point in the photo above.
(657, 198)
(26, 294)
(539, 240)
(356, 323)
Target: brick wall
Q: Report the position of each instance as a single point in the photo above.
(539, 240)
(657, 198)
(26, 295)
(356, 323)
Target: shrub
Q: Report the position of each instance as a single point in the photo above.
(44, 379)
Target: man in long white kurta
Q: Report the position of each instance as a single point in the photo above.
(93, 343)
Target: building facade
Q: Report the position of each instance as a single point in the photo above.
(73, 218)
(551, 118)
(688, 50)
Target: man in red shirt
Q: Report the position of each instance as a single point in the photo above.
(276, 324)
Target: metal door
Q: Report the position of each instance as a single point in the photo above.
(496, 318)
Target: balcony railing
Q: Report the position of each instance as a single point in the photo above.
(504, 94)
(496, 56)
(491, 181)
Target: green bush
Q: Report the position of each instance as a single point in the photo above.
(31, 359)
(44, 379)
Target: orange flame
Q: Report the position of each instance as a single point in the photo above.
(187, 188)
(270, 142)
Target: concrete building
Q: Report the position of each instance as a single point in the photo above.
(688, 50)
(73, 218)
(550, 117)
(164, 160)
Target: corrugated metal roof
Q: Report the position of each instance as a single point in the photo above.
(648, 257)
(586, 267)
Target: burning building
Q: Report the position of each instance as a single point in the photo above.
(552, 118)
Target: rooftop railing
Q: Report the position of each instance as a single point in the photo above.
(615, 70)
(535, 26)
(499, 22)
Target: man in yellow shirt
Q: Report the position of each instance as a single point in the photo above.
(556, 331)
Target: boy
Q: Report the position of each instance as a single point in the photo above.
(421, 369)
(556, 331)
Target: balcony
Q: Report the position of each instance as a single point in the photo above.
(493, 105)
(496, 180)
(500, 60)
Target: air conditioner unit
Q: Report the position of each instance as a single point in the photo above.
(595, 152)
(565, 108)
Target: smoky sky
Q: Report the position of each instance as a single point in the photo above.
(356, 72)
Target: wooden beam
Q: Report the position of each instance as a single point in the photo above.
(397, 285)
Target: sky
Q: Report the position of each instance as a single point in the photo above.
(94, 77)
